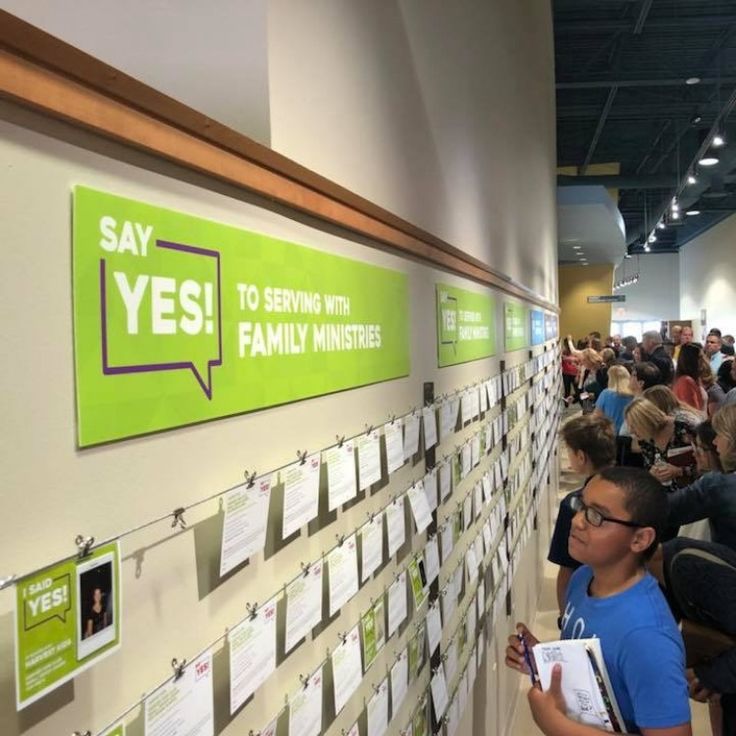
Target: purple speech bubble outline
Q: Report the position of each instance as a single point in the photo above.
(109, 370)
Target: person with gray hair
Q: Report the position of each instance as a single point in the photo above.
(653, 352)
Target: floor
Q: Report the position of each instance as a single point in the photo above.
(545, 627)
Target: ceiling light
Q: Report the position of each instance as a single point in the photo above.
(652, 238)
(695, 119)
(692, 80)
(628, 255)
(578, 247)
(691, 213)
(675, 215)
(708, 160)
(718, 140)
(691, 179)
(647, 248)
(661, 225)
(675, 205)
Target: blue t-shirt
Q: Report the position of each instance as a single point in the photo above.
(642, 648)
(612, 404)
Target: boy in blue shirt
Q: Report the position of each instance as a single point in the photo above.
(618, 519)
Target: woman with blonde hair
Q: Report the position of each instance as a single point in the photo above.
(663, 398)
(613, 400)
(665, 442)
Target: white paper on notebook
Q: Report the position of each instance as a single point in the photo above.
(582, 694)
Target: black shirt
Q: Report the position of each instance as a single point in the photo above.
(663, 361)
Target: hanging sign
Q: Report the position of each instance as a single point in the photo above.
(514, 321)
(466, 327)
(178, 319)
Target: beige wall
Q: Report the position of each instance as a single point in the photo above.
(404, 95)
(708, 278)
(577, 283)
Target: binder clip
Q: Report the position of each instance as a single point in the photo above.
(340, 539)
(302, 456)
(84, 545)
(304, 681)
(342, 637)
(250, 479)
(305, 568)
(7, 580)
(178, 668)
(178, 519)
(82, 733)
(340, 440)
(252, 609)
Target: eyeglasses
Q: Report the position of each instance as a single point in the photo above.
(595, 517)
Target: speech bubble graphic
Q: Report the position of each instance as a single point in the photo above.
(53, 601)
(137, 321)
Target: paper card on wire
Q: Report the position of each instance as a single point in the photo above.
(582, 687)
(67, 617)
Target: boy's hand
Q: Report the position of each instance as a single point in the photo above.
(515, 649)
(548, 708)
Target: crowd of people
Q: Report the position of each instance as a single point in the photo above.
(656, 443)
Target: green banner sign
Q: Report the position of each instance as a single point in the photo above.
(466, 327)
(515, 321)
(178, 319)
(67, 618)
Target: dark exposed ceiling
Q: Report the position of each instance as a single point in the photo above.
(622, 97)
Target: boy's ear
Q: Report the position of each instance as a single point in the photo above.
(643, 539)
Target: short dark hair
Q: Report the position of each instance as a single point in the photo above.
(715, 331)
(629, 342)
(648, 373)
(727, 348)
(644, 498)
(593, 434)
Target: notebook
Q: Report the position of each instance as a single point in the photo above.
(586, 686)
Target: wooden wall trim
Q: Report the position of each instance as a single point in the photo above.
(40, 71)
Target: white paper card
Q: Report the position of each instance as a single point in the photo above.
(244, 526)
(305, 708)
(347, 671)
(411, 435)
(431, 560)
(440, 697)
(448, 417)
(341, 481)
(419, 508)
(397, 606)
(394, 436)
(183, 707)
(371, 541)
(451, 661)
(466, 406)
(467, 511)
(399, 682)
(303, 605)
(342, 565)
(429, 420)
(252, 645)
(369, 459)
(475, 450)
(378, 711)
(301, 494)
(472, 564)
(445, 480)
(430, 489)
(434, 628)
(478, 498)
(395, 525)
(447, 540)
(466, 460)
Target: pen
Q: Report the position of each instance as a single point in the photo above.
(603, 690)
(528, 658)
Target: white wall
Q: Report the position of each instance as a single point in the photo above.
(708, 277)
(441, 112)
(210, 56)
(656, 295)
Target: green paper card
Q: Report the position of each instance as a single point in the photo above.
(466, 326)
(67, 618)
(417, 584)
(420, 720)
(178, 319)
(374, 633)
